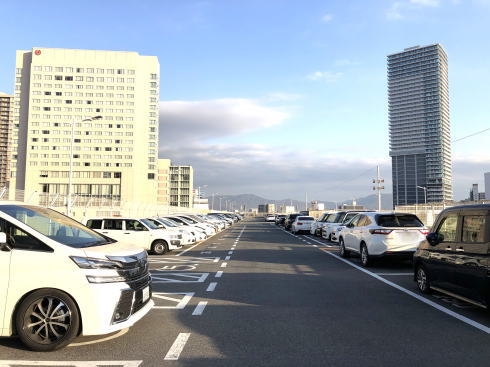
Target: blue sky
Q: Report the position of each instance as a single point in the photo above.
(278, 97)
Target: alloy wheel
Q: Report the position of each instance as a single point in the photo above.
(47, 320)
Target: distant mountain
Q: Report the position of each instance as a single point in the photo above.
(253, 201)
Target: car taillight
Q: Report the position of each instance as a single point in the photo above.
(425, 232)
(380, 231)
(300, 224)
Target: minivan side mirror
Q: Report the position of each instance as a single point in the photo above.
(4, 246)
(434, 238)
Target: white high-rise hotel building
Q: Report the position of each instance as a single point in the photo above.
(114, 156)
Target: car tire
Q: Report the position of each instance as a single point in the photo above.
(330, 237)
(342, 251)
(47, 320)
(365, 258)
(422, 278)
(159, 247)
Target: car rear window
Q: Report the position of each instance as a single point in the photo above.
(306, 218)
(399, 220)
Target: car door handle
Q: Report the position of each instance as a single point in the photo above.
(105, 232)
(460, 249)
(127, 233)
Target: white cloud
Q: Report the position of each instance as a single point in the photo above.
(399, 9)
(327, 18)
(432, 3)
(184, 121)
(327, 76)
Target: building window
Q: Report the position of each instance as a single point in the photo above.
(69, 78)
(151, 176)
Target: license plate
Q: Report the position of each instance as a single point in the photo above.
(146, 294)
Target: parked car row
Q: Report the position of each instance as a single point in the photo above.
(60, 279)
(453, 258)
(159, 235)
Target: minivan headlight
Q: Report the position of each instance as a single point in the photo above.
(90, 263)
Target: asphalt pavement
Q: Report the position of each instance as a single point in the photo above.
(256, 295)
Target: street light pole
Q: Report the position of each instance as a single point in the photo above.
(70, 171)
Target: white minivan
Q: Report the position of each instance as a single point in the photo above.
(142, 232)
(60, 279)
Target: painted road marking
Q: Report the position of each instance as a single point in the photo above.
(227, 257)
(212, 287)
(205, 252)
(110, 337)
(223, 265)
(180, 303)
(181, 260)
(177, 347)
(7, 363)
(199, 308)
(218, 274)
(230, 252)
(176, 268)
(179, 277)
(437, 306)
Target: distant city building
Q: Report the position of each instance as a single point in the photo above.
(315, 205)
(163, 190)
(58, 92)
(181, 186)
(487, 185)
(6, 125)
(475, 195)
(420, 145)
(199, 202)
(262, 208)
(271, 208)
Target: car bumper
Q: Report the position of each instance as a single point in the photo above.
(99, 307)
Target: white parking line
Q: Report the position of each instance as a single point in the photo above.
(212, 287)
(224, 265)
(7, 363)
(230, 252)
(218, 274)
(177, 347)
(199, 308)
(462, 318)
(227, 257)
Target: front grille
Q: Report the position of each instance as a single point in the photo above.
(134, 267)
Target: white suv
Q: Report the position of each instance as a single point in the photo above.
(142, 232)
(302, 224)
(60, 279)
(382, 234)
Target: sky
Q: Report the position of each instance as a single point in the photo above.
(275, 97)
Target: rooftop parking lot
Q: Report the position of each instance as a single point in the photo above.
(256, 295)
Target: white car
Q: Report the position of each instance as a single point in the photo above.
(317, 224)
(187, 238)
(141, 232)
(382, 234)
(60, 279)
(302, 224)
(198, 233)
(197, 229)
(336, 220)
(270, 218)
(335, 230)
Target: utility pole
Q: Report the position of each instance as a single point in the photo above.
(306, 201)
(377, 181)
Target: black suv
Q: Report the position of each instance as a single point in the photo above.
(455, 257)
(289, 220)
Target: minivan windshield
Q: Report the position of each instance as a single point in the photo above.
(56, 226)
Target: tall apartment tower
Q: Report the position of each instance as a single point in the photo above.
(6, 125)
(181, 186)
(58, 92)
(420, 145)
